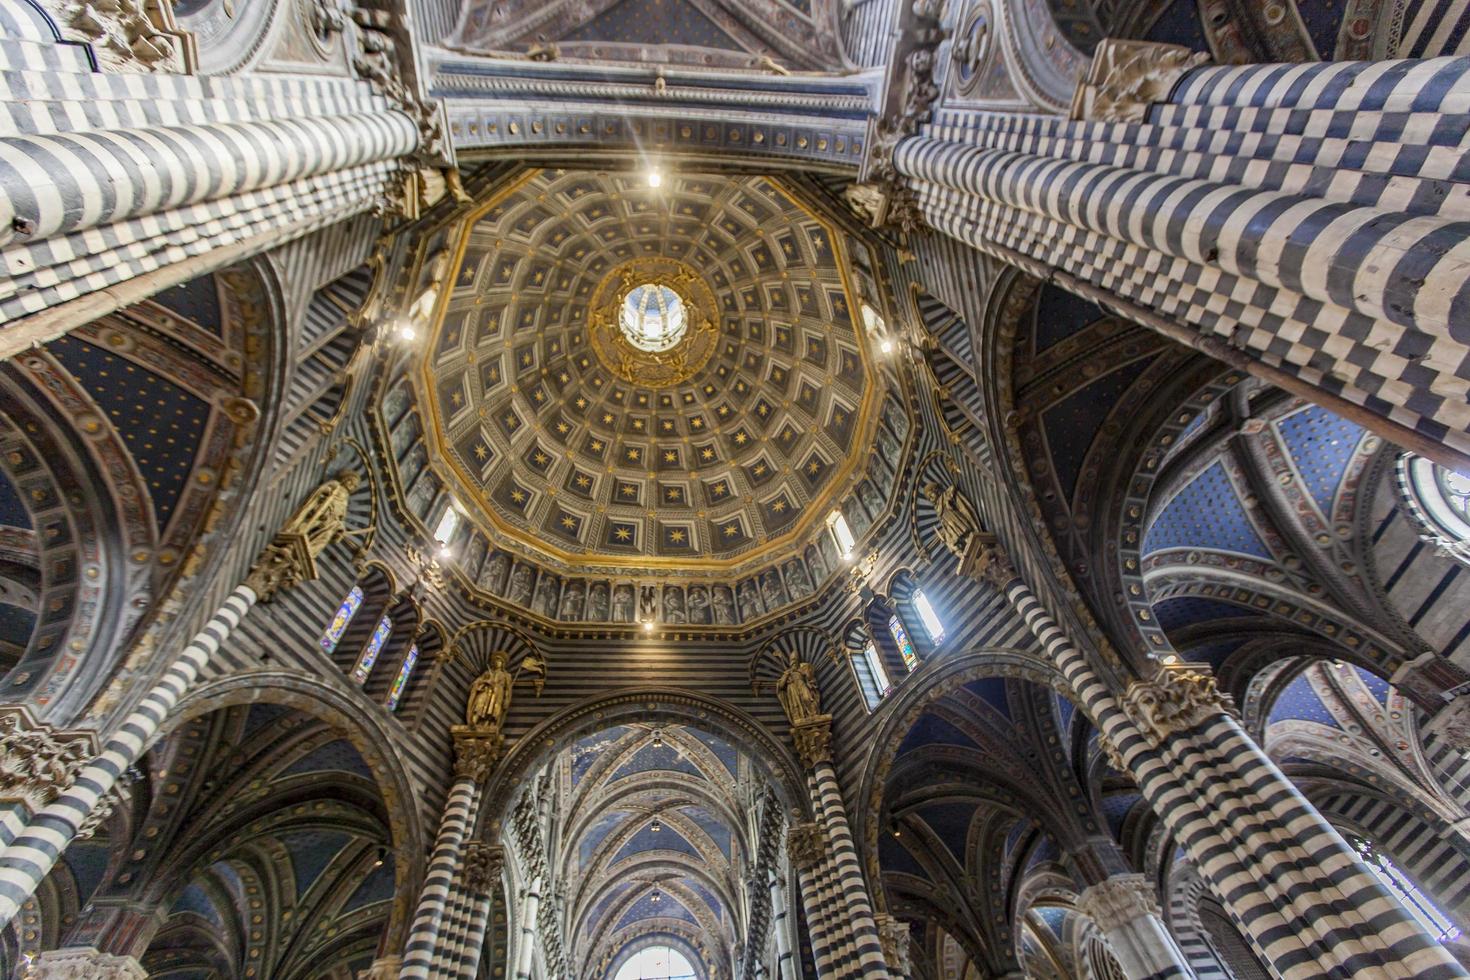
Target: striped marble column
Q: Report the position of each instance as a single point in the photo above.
(807, 848)
(863, 954)
(1298, 892)
(482, 867)
(475, 754)
(1307, 219)
(116, 185)
(530, 914)
(785, 959)
(36, 849)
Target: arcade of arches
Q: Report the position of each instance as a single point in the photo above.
(734, 489)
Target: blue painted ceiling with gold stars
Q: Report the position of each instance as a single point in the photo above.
(558, 439)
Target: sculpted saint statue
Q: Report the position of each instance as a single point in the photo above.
(959, 525)
(322, 519)
(797, 691)
(490, 696)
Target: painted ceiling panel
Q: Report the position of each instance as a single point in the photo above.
(1173, 614)
(1065, 710)
(376, 887)
(929, 730)
(722, 749)
(1376, 685)
(667, 907)
(711, 825)
(655, 758)
(994, 692)
(589, 749)
(655, 22)
(88, 862)
(951, 824)
(161, 423)
(263, 714)
(1321, 446)
(196, 300)
(1013, 836)
(1300, 703)
(1115, 810)
(338, 756)
(311, 851)
(12, 511)
(193, 899)
(1060, 314)
(596, 833)
(1205, 514)
(1072, 424)
(646, 839)
(16, 624)
(893, 856)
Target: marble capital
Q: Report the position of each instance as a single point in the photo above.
(1180, 697)
(806, 843)
(813, 738)
(1126, 77)
(1117, 901)
(38, 762)
(476, 750)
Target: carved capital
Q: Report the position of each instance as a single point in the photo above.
(483, 864)
(806, 843)
(1112, 753)
(986, 561)
(1126, 77)
(893, 934)
(121, 795)
(813, 739)
(127, 35)
(38, 762)
(285, 562)
(1117, 901)
(1179, 698)
(476, 750)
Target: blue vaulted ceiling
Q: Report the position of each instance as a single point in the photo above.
(1206, 513)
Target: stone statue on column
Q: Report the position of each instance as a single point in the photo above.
(490, 696)
(978, 552)
(797, 690)
(319, 522)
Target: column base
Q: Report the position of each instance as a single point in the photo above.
(84, 963)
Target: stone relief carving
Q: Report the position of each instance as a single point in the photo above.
(127, 35)
(38, 762)
(1117, 901)
(1179, 698)
(1126, 77)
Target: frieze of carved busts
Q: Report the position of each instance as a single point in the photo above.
(1117, 901)
(38, 762)
(1126, 77)
(806, 843)
(1179, 698)
(813, 738)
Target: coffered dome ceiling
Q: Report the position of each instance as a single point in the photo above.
(626, 378)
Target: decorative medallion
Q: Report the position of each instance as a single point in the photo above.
(652, 322)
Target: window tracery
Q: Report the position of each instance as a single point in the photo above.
(345, 612)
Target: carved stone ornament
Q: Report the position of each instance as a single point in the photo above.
(383, 968)
(83, 963)
(1117, 901)
(127, 35)
(805, 844)
(893, 935)
(1179, 698)
(1112, 754)
(291, 556)
(38, 762)
(813, 739)
(476, 750)
(121, 795)
(1451, 723)
(483, 864)
(1126, 77)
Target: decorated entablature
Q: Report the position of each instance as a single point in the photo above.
(624, 387)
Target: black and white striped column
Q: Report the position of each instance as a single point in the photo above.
(807, 849)
(1298, 892)
(529, 915)
(35, 850)
(475, 754)
(1126, 912)
(1310, 215)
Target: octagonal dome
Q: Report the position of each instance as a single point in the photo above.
(626, 377)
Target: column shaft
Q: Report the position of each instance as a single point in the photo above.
(526, 942)
(423, 950)
(32, 854)
(1238, 218)
(1300, 894)
(858, 910)
(786, 968)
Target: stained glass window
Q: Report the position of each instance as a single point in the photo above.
(930, 618)
(905, 646)
(400, 683)
(345, 612)
(371, 651)
(872, 678)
